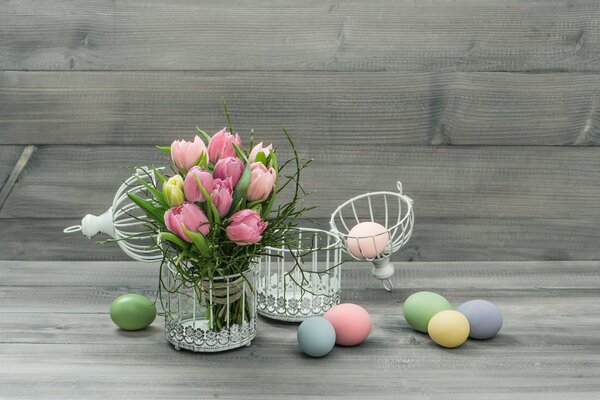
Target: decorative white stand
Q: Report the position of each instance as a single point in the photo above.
(398, 219)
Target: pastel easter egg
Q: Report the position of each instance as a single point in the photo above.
(316, 337)
(367, 240)
(448, 328)
(351, 322)
(421, 306)
(132, 312)
(484, 318)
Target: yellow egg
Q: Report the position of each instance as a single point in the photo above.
(449, 328)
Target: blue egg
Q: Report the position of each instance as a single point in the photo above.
(484, 318)
(316, 336)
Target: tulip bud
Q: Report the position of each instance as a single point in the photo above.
(190, 186)
(262, 182)
(229, 167)
(222, 195)
(186, 215)
(186, 154)
(245, 227)
(221, 145)
(173, 191)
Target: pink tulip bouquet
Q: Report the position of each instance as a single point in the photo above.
(217, 212)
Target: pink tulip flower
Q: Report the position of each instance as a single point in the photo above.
(245, 228)
(221, 146)
(190, 186)
(188, 215)
(259, 148)
(186, 154)
(229, 167)
(262, 181)
(222, 195)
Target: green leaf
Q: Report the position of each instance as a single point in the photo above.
(158, 214)
(240, 153)
(227, 116)
(266, 210)
(165, 149)
(204, 134)
(239, 193)
(155, 192)
(213, 213)
(262, 158)
(203, 161)
(254, 203)
(199, 241)
(268, 206)
(273, 159)
(160, 176)
(173, 239)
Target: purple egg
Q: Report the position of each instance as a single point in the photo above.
(484, 318)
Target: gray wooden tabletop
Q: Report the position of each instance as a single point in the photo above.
(57, 340)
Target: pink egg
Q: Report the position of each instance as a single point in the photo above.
(367, 240)
(351, 322)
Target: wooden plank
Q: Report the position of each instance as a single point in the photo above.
(451, 276)
(444, 182)
(434, 239)
(96, 327)
(273, 369)
(389, 35)
(386, 109)
(60, 343)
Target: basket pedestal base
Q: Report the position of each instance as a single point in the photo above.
(383, 270)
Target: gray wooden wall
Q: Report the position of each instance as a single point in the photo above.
(487, 110)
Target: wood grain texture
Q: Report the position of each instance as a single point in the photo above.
(319, 108)
(434, 239)
(60, 343)
(449, 182)
(386, 35)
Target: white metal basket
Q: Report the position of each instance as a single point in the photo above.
(393, 210)
(125, 221)
(190, 309)
(294, 284)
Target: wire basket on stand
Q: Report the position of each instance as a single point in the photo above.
(302, 281)
(125, 221)
(393, 211)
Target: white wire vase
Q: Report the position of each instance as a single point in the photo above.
(213, 315)
(294, 284)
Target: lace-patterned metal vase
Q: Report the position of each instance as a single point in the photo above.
(211, 316)
(284, 292)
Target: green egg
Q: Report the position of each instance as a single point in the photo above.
(420, 307)
(132, 312)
